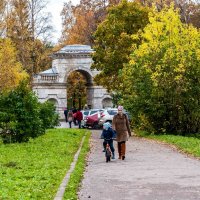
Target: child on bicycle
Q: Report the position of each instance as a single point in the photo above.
(108, 134)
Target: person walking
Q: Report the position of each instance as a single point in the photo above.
(121, 125)
(74, 110)
(66, 113)
(70, 118)
(79, 117)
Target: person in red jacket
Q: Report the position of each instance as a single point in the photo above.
(79, 117)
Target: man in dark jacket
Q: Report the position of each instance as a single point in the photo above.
(66, 113)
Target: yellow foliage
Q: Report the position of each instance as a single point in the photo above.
(168, 56)
(11, 72)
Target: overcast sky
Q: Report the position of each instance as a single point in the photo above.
(55, 7)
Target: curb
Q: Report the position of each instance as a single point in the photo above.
(61, 190)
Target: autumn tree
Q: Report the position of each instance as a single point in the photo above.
(80, 31)
(192, 13)
(80, 22)
(11, 72)
(2, 16)
(189, 10)
(18, 31)
(113, 41)
(76, 90)
(68, 20)
(28, 27)
(161, 84)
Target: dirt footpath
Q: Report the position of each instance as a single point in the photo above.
(150, 171)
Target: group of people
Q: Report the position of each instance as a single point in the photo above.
(73, 115)
(119, 131)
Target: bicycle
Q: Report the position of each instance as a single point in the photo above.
(108, 152)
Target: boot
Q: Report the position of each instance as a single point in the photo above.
(123, 147)
(119, 150)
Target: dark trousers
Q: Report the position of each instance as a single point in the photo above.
(110, 142)
(79, 123)
(70, 124)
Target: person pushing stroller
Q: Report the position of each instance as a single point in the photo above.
(108, 134)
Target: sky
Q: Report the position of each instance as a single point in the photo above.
(55, 7)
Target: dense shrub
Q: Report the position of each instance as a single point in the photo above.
(161, 83)
(48, 115)
(21, 115)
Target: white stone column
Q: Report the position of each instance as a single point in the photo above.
(96, 94)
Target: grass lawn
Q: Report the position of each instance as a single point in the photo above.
(34, 170)
(190, 145)
(77, 175)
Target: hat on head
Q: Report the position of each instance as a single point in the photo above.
(120, 108)
(106, 125)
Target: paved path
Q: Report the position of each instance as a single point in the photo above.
(151, 171)
(64, 124)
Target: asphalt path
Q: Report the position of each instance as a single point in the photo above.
(64, 124)
(151, 171)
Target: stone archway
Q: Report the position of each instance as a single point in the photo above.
(55, 102)
(52, 83)
(78, 83)
(107, 102)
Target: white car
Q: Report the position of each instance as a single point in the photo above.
(108, 114)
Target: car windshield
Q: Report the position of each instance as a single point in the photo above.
(86, 113)
(93, 111)
(112, 112)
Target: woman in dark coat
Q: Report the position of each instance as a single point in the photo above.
(121, 125)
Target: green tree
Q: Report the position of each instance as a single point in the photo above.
(113, 41)
(162, 80)
(48, 115)
(22, 116)
(21, 120)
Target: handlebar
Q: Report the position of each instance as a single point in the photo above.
(108, 139)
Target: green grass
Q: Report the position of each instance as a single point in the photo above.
(77, 175)
(34, 170)
(190, 145)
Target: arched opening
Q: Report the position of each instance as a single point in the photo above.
(107, 103)
(55, 102)
(77, 89)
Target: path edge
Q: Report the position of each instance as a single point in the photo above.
(63, 185)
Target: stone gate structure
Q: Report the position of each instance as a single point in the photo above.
(51, 85)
